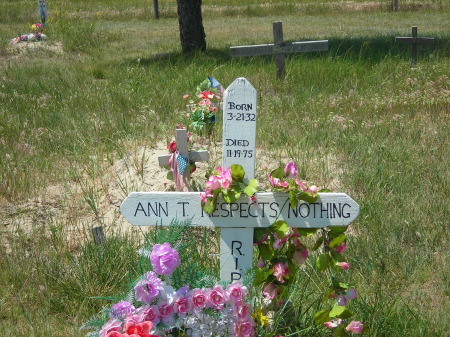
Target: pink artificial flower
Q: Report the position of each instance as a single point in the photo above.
(148, 287)
(243, 312)
(334, 323)
(213, 183)
(188, 115)
(149, 313)
(290, 170)
(166, 312)
(110, 326)
(343, 265)
(313, 190)
(182, 305)
(172, 147)
(205, 102)
(260, 263)
(244, 328)
(300, 255)
(198, 298)
(236, 292)
(341, 248)
(164, 259)
(279, 242)
(355, 327)
(216, 297)
(270, 291)
(280, 270)
(203, 198)
(302, 185)
(186, 96)
(275, 182)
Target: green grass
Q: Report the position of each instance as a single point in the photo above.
(357, 118)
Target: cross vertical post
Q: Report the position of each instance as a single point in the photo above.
(239, 147)
(278, 48)
(414, 47)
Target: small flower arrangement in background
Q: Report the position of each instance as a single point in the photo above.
(204, 105)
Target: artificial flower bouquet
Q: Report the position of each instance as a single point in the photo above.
(204, 105)
(155, 308)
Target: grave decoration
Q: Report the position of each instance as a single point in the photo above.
(36, 35)
(284, 228)
(414, 41)
(204, 105)
(279, 48)
(181, 161)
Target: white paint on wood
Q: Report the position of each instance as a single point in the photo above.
(239, 126)
(236, 251)
(150, 208)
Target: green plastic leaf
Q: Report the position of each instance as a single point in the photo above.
(337, 257)
(325, 190)
(323, 261)
(293, 199)
(338, 229)
(209, 207)
(318, 243)
(346, 314)
(170, 175)
(230, 195)
(278, 173)
(251, 188)
(265, 251)
(260, 276)
(321, 316)
(337, 241)
(237, 173)
(307, 231)
(337, 310)
(280, 227)
(258, 234)
(307, 197)
(346, 285)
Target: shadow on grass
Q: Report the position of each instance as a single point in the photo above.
(366, 49)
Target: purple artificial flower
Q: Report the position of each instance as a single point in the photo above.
(164, 259)
(121, 309)
(148, 288)
(290, 170)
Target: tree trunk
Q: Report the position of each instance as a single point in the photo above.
(192, 33)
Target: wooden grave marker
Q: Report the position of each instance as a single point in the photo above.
(182, 148)
(279, 48)
(414, 41)
(237, 220)
(42, 12)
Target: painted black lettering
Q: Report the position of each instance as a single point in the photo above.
(235, 208)
(224, 207)
(236, 263)
(323, 210)
(293, 210)
(140, 208)
(233, 276)
(155, 210)
(263, 208)
(315, 204)
(305, 205)
(215, 209)
(249, 213)
(166, 210)
(274, 209)
(238, 249)
(182, 203)
(231, 105)
(243, 208)
(347, 215)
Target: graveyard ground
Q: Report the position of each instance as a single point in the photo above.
(84, 115)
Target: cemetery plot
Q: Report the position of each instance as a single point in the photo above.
(238, 219)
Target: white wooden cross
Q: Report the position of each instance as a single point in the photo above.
(279, 48)
(182, 148)
(237, 220)
(414, 40)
